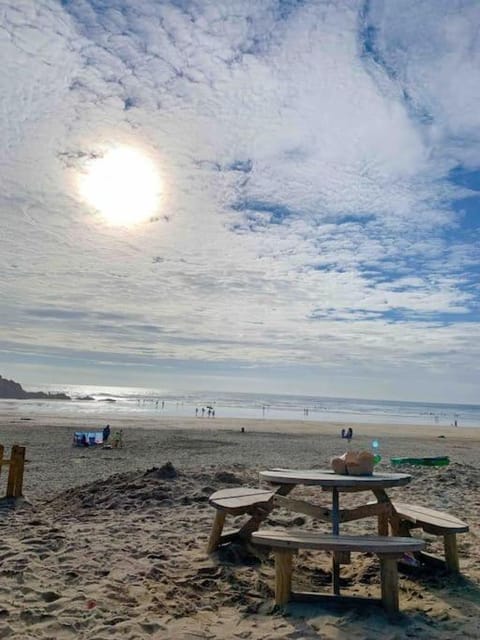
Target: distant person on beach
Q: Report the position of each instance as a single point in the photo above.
(203, 411)
(117, 440)
(196, 412)
(106, 433)
(84, 441)
(347, 433)
(213, 413)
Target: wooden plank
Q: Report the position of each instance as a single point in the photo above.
(333, 601)
(297, 539)
(238, 500)
(436, 521)
(252, 524)
(300, 506)
(364, 511)
(283, 576)
(327, 478)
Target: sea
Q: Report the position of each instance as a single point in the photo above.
(138, 402)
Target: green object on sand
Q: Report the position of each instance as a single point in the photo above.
(429, 461)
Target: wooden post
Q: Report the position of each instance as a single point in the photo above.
(389, 582)
(216, 532)
(283, 575)
(20, 457)
(11, 476)
(451, 552)
(15, 472)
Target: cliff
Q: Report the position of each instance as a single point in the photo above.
(14, 390)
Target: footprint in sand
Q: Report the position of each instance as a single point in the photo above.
(50, 596)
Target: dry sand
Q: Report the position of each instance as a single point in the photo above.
(111, 543)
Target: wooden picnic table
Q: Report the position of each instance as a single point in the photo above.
(285, 480)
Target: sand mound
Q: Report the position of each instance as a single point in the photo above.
(158, 487)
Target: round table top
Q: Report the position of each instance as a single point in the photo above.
(327, 478)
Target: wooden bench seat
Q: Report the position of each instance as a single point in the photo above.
(414, 516)
(285, 543)
(238, 501)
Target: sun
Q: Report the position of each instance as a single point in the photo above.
(123, 185)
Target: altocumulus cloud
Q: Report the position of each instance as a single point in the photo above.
(320, 162)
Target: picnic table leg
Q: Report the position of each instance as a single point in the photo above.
(451, 552)
(389, 581)
(283, 575)
(335, 531)
(216, 532)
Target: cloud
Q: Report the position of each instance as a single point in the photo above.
(314, 157)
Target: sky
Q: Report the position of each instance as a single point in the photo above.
(313, 225)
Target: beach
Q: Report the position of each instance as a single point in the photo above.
(110, 543)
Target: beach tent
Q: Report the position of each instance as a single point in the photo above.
(93, 438)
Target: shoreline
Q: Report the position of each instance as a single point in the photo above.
(288, 409)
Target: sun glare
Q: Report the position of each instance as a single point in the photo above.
(123, 186)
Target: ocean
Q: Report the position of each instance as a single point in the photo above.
(137, 401)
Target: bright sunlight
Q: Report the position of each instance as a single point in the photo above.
(123, 186)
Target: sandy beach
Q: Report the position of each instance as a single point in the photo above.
(111, 543)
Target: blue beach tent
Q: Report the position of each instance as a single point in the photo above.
(93, 438)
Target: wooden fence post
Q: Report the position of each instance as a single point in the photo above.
(15, 472)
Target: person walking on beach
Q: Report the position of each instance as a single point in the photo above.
(106, 433)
